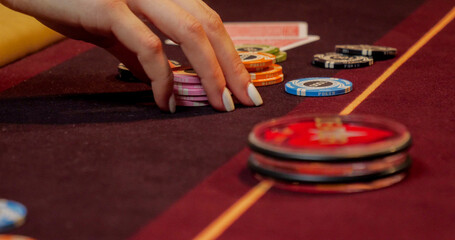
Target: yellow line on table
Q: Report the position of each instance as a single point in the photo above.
(217, 227)
(228, 217)
(411, 51)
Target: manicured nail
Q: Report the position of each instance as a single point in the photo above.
(172, 104)
(227, 100)
(254, 95)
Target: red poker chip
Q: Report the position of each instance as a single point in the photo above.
(333, 138)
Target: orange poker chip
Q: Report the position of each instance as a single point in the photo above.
(186, 72)
(258, 69)
(273, 71)
(257, 61)
(174, 64)
(268, 81)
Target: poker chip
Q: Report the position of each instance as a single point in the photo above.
(281, 57)
(188, 85)
(186, 76)
(376, 52)
(268, 81)
(336, 187)
(191, 98)
(257, 48)
(291, 176)
(329, 138)
(330, 153)
(14, 237)
(174, 64)
(125, 74)
(329, 169)
(12, 214)
(318, 87)
(273, 71)
(189, 90)
(339, 61)
(257, 61)
(187, 103)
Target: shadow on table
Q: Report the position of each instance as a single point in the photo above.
(89, 108)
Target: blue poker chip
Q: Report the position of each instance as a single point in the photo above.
(318, 87)
(12, 214)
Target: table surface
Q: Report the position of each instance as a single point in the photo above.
(92, 158)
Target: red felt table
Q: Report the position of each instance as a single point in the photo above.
(92, 157)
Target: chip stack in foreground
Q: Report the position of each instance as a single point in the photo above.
(330, 153)
(12, 214)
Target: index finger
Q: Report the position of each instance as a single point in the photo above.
(186, 30)
(237, 77)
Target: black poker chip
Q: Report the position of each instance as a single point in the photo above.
(376, 52)
(288, 176)
(341, 61)
(124, 74)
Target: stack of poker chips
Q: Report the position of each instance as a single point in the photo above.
(353, 56)
(262, 68)
(279, 55)
(330, 153)
(188, 88)
(189, 91)
(260, 61)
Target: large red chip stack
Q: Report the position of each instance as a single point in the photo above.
(330, 153)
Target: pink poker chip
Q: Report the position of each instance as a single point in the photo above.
(186, 76)
(188, 85)
(188, 90)
(186, 79)
(186, 103)
(192, 98)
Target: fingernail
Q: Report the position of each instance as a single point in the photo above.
(227, 100)
(254, 95)
(172, 104)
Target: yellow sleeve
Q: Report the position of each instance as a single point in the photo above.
(21, 35)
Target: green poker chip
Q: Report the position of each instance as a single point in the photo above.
(281, 57)
(257, 48)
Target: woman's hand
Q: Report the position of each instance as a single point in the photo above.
(118, 26)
